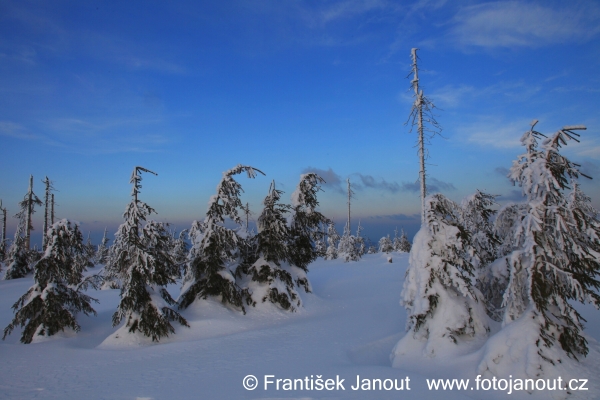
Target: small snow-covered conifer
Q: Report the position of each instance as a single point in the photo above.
(271, 279)
(404, 243)
(385, 244)
(180, 249)
(333, 238)
(141, 261)
(443, 305)
(216, 248)
(359, 242)
(20, 258)
(51, 304)
(103, 250)
(396, 240)
(346, 249)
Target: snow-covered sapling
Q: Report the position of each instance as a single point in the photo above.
(103, 250)
(51, 304)
(270, 276)
(404, 245)
(333, 238)
(385, 244)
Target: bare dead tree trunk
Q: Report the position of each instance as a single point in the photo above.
(3, 223)
(350, 193)
(420, 114)
(28, 225)
(48, 184)
(52, 209)
(419, 109)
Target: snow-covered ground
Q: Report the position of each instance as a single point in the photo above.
(347, 328)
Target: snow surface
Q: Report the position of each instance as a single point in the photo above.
(348, 326)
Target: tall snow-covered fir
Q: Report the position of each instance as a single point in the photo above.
(141, 261)
(553, 266)
(306, 224)
(214, 255)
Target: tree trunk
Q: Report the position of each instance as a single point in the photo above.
(29, 213)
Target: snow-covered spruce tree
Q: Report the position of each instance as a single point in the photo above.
(215, 248)
(491, 276)
(385, 244)
(443, 306)
(506, 227)
(305, 223)
(17, 259)
(51, 304)
(270, 278)
(359, 242)
(321, 244)
(585, 219)
(90, 250)
(142, 262)
(396, 241)
(180, 251)
(20, 258)
(351, 248)
(103, 250)
(333, 238)
(405, 245)
(554, 265)
(346, 249)
(477, 214)
(372, 250)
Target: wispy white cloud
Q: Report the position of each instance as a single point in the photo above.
(23, 55)
(92, 137)
(523, 24)
(14, 130)
(350, 8)
(492, 132)
(585, 89)
(454, 96)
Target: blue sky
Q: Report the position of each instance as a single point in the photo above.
(190, 89)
